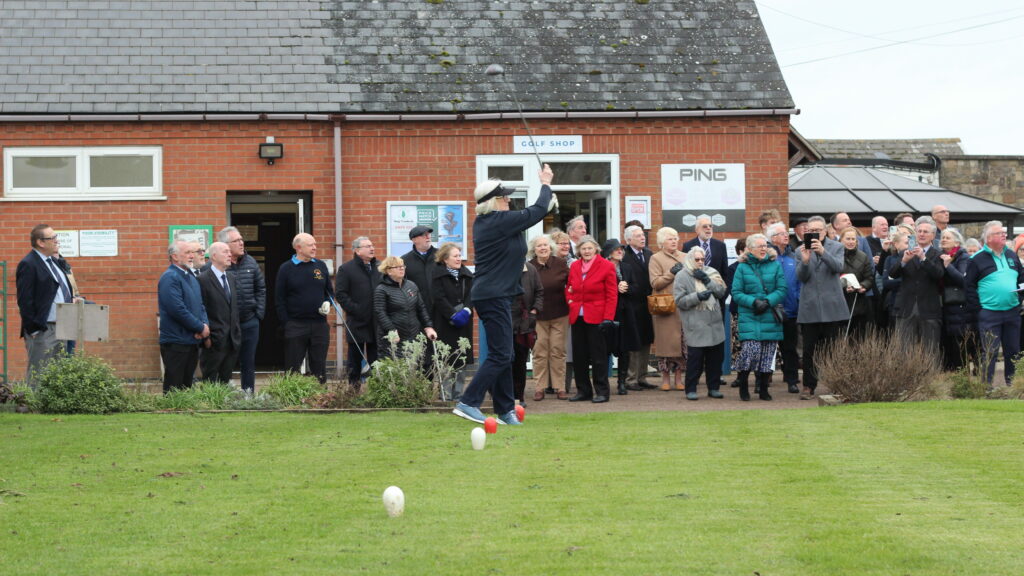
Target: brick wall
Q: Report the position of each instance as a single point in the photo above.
(381, 162)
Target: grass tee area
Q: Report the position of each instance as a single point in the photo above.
(920, 488)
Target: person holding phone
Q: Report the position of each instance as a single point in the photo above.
(823, 309)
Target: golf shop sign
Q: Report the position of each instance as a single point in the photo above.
(689, 191)
(549, 144)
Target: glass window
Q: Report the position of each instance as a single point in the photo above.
(96, 173)
(585, 173)
(117, 171)
(44, 171)
(505, 173)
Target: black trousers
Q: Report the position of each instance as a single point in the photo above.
(706, 359)
(180, 362)
(354, 363)
(217, 364)
(790, 358)
(816, 336)
(520, 354)
(589, 356)
(307, 338)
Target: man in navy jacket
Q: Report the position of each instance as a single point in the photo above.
(183, 321)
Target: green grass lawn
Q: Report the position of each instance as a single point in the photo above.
(928, 488)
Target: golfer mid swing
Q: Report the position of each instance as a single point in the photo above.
(500, 252)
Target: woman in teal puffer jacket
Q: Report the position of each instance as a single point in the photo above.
(757, 286)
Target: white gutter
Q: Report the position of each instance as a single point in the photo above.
(637, 114)
(339, 249)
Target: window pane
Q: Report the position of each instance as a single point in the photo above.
(44, 171)
(121, 171)
(506, 173)
(586, 173)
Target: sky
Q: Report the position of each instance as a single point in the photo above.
(904, 69)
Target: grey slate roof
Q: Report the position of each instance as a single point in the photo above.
(382, 56)
(908, 150)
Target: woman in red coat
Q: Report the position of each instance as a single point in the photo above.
(592, 294)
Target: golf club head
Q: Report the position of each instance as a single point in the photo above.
(495, 70)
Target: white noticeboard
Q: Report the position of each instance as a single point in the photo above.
(98, 242)
(639, 208)
(68, 242)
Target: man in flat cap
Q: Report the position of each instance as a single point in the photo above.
(419, 262)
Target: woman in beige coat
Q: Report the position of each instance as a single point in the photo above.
(669, 341)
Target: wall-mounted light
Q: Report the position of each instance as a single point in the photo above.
(271, 151)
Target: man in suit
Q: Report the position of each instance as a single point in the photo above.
(638, 258)
(878, 241)
(919, 300)
(576, 229)
(252, 301)
(354, 286)
(220, 298)
(41, 286)
(715, 254)
(183, 321)
(198, 258)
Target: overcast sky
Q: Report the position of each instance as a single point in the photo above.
(901, 69)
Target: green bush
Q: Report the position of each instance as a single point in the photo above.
(964, 386)
(396, 381)
(79, 384)
(140, 401)
(290, 389)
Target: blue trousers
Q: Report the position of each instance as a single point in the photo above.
(495, 372)
(999, 327)
(247, 352)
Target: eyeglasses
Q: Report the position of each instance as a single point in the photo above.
(396, 267)
(814, 230)
(698, 259)
(942, 212)
(48, 238)
(563, 243)
(236, 241)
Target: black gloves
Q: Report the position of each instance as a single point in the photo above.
(701, 275)
(675, 269)
(760, 306)
(608, 325)
(704, 295)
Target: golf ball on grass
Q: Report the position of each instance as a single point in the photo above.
(394, 501)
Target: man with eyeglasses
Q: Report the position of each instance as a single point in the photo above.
(41, 285)
(779, 238)
(993, 277)
(252, 301)
(354, 285)
(940, 214)
(919, 301)
(822, 311)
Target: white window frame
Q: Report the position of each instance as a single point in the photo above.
(82, 190)
(532, 182)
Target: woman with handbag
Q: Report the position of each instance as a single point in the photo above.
(452, 310)
(758, 286)
(960, 342)
(859, 264)
(525, 309)
(669, 340)
(592, 294)
(697, 290)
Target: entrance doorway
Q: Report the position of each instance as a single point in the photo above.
(268, 222)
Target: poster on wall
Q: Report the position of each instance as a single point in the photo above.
(97, 242)
(68, 242)
(639, 208)
(191, 233)
(448, 220)
(717, 191)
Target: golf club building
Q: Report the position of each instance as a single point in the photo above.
(124, 124)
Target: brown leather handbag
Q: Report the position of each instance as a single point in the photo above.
(661, 304)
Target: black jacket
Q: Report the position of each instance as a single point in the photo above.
(252, 288)
(635, 271)
(956, 318)
(625, 308)
(859, 264)
(223, 314)
(398, 308)
(533, 299)
(920, 288)
(36, 291)
(354, 287)
(449, 293)
(420, 269)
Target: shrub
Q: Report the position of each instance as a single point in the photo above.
(881, 366)
(245, 400)
(964, 385)
(139, 401)
(397, 381)
(79, 384)
(291, 389)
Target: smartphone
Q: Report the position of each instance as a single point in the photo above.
(810, 236)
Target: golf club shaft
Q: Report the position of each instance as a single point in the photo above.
(529, 134)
